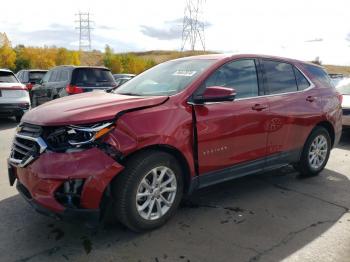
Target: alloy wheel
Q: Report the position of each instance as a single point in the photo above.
(156, 193)
(318, 152)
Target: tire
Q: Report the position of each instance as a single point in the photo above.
(312, 162)
(137, 178)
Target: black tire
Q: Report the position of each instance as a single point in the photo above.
(124, 189)
(304, 166)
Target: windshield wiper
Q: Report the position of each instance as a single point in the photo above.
(128, 94)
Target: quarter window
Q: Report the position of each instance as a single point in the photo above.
(279, 77)
(302, 82)
(240, 75)
(320, 75)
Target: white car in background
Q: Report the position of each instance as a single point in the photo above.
(343, 88)
(14, 96)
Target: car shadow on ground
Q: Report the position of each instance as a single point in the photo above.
(252, 218)
(7, 123)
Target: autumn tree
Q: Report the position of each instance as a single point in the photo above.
(7, 54)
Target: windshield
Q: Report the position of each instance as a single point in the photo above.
(168, 78)
(344, 87)
(7, 77)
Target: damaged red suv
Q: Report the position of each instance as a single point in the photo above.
(182, 125)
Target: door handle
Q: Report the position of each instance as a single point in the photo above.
(310, 99)
(259, 107)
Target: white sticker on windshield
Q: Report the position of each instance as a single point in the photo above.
(184, 73)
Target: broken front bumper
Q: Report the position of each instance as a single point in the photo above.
(39, 181)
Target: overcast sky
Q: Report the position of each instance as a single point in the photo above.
(301, 29)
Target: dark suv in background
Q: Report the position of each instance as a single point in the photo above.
(30, 77)
(68, 80)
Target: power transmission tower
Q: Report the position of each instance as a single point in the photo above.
(193, 24)
(84, 27)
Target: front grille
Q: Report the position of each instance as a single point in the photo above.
(27, 144)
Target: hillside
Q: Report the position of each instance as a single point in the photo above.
(334, 69)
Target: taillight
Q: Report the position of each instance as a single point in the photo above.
(72, 89)
(29, 86)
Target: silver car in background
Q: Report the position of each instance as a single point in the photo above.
(343, 88)
(14, 96)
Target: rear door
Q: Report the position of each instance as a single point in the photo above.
(231, 133)
(290, 96)
(39, 92)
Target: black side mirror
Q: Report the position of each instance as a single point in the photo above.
(216, 94)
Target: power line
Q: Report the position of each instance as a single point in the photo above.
(193, 25)
(84, 26)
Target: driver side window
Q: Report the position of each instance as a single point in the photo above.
(240, 75)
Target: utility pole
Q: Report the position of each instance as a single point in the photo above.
(84, 27)
(193, 25)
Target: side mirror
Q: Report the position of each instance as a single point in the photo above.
(216, 94)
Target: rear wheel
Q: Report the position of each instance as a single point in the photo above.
(315, 153)
(148, 191)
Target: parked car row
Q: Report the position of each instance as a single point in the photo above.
(14, 97)
(134, 152)
(30, 88)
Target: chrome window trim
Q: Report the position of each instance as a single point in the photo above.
(312, 85)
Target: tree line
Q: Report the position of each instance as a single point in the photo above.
(27, 57)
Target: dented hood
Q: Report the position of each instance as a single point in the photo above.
(87, 108)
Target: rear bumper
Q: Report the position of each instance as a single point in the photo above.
(17, 109)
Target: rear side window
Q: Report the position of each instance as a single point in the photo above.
(7, 77)
(320, 75)
(302, 82)
(279, 77)
(92, 77)
(240, 75)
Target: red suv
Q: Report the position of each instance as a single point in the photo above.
(182, 125)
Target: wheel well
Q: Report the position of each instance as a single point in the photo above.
(175, 153)
(329, 127)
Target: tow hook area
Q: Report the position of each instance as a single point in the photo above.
(69, 193)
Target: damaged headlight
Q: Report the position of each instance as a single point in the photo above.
(82, 135)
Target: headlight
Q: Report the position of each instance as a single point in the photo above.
(81, 135)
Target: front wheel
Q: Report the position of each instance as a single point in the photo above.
(315, 153)
(148, 191)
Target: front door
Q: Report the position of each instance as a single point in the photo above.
(231, 133)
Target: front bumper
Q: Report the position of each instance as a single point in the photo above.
(39, 181)
(89, 217)
(16, 109)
